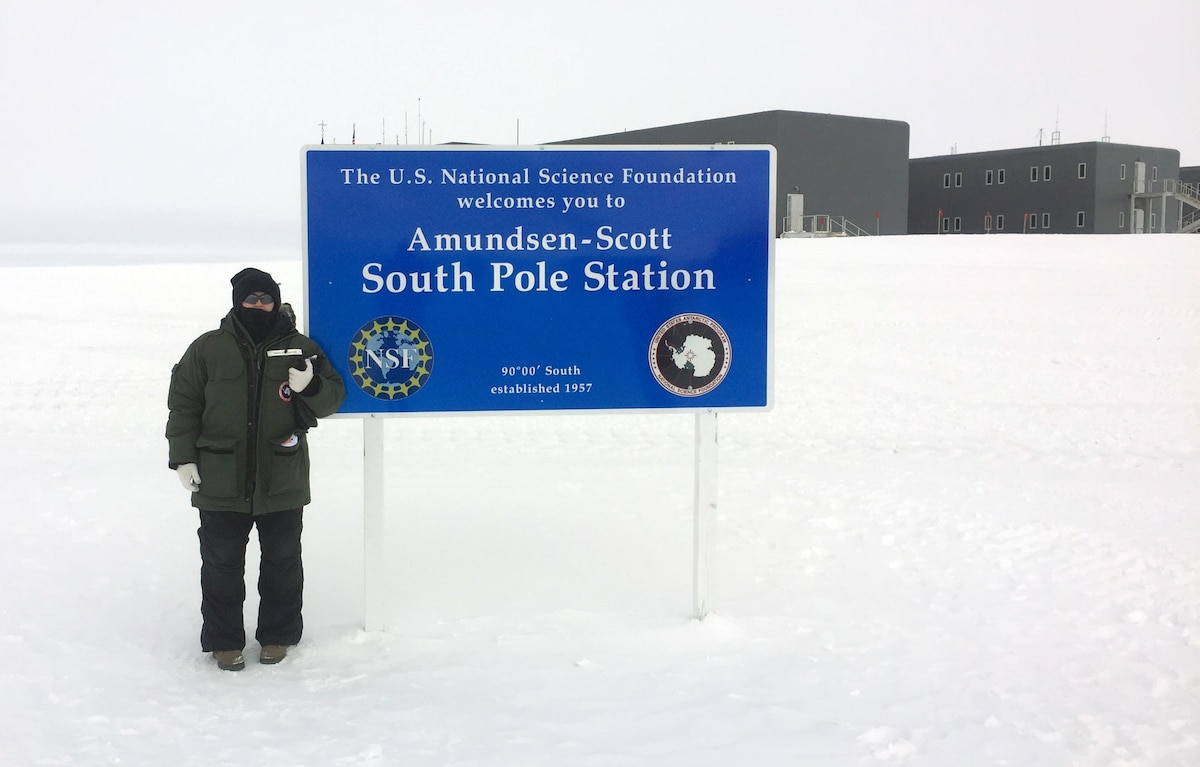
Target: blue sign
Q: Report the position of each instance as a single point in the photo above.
(479, 279)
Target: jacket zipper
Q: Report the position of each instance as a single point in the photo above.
(255, 355)
(253, 407)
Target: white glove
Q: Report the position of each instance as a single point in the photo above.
(189, 476)
(300, 379)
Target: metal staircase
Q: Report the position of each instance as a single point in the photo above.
(1188, 194)
(822, 225)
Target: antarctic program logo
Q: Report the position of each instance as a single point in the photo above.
(690, 355)
(391, 358)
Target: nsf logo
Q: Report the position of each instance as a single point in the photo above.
(391, 358)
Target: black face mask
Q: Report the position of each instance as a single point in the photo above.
(257, 322)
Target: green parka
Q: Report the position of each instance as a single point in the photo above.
(233, 414)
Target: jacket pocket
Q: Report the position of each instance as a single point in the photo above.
(289, 468)
(276, 368)
(218, 466)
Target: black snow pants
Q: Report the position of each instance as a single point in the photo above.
(224, 536)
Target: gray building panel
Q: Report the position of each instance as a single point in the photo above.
(1117, 178)
(851, 167)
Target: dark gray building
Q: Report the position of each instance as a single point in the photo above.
(1086, 188)
(851, 171)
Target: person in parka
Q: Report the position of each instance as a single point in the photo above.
(241, 401)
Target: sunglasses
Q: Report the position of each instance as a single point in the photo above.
(253, 299)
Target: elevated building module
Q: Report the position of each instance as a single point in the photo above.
(1085, 188)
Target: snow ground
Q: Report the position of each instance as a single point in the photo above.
(968, 533)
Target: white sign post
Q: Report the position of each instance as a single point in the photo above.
(705, 512)
(374, 530)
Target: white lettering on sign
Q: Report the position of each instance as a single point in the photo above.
(439, 280)
(517, 239)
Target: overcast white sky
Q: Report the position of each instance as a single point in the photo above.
(169, 112)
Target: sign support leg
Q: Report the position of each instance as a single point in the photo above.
(375, 579)
(705, 511)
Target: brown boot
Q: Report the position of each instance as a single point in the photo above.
(272, 654)
(230, 660)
